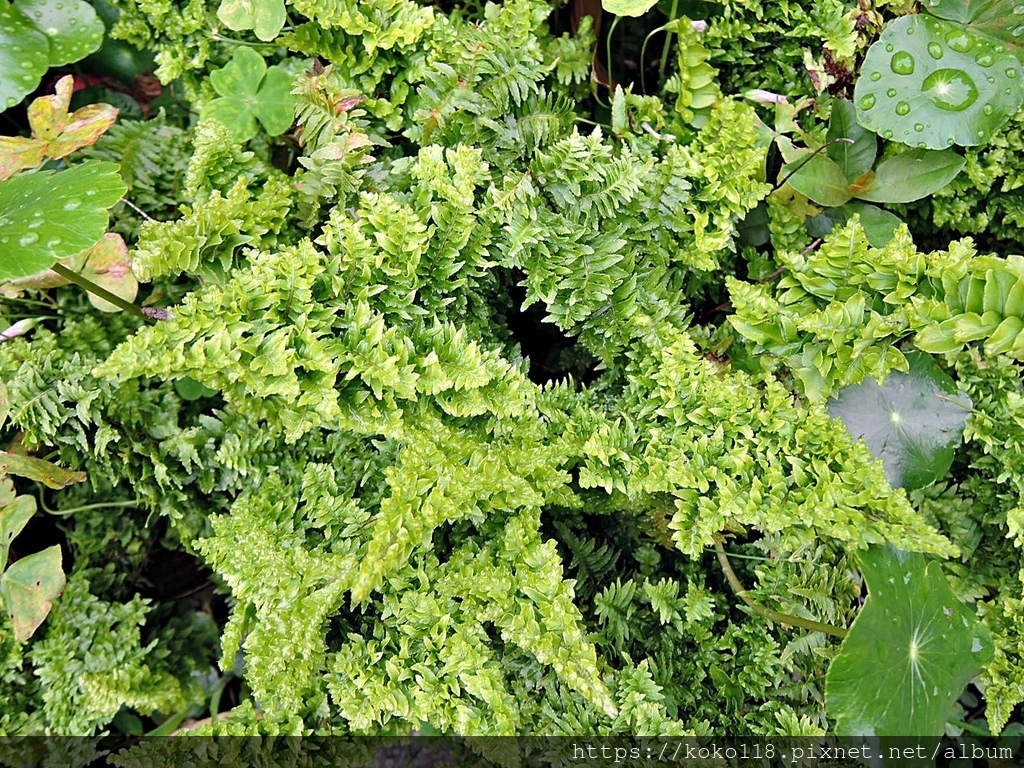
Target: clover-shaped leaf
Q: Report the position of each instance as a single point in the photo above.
(911, 651)
(264, 17)
(913, 423)
(72, 27)
(49, 216)
(928, 82)
(250, 91)
(29, 588)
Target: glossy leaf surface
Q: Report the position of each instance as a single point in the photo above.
(72, 27)
(911, 651)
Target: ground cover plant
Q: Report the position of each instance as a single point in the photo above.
(519, 368)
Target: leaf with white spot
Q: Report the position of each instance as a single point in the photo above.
(911, 651)
(913, 423)
(72, 27)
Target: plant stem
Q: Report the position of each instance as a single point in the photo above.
(663, 64)
(103, 293)
(810, 157)
(768, 613)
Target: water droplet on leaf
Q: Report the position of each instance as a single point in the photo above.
(985, 59)
(867, 102)
(26, 240)
(902, 63)
(902, 109)
(891, 93)
(918, 127)
(950, 89)
(887, 134)
(960, 41)
(1011, 72)
(876, 76)
(987, 109)
(935, 50)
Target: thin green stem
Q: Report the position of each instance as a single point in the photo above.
(85, 507)
(768, 613)
(663, 64)
(103, 293)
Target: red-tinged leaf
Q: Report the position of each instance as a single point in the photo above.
(46, 473)
(63, 132)
(18, 153)
(107, 264)
(49, 114)
(29, 588)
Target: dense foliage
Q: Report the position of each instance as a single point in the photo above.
(478, 388)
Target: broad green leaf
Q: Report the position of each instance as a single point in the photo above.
(13, 518)
(190, 389)
(856, 158)
(911, 651)
(6, 494)
(930, 83)
(29, 588)
(71, 26)
(1001, 20)
(49, 216)
(264, 17)
(249, 91)
(912, 175)
(878, 225)
(820, 179)
(24, 56)
(46, 473)
(628, 7)
(913, 423)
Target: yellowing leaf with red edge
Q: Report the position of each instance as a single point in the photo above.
(55, 133)
(107, 264)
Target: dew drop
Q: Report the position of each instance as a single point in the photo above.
(867, 102)
(985, 59)
(26, 240)
(1018, 30)
(38, 214)
(902, 109)
(921, 145)
(960, 41)
(90, 192)
(1019, 10)
(51, 31)
(891, 93)
(886, 134)
(987, 109)
(981, 134)
(949, 142)
(910, 30)
(35, 224)
(72, 204)
(902, 63)
(950, 89)
(1011, 73)
(1008, 92)
(888, 48)
(990, 79)
(935, 50)
(53, 242)
(876, 76)
(918, 127)
(11, 102)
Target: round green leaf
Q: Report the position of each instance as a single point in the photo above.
(24, 56)
(49, 216)
(264, 17)
(930, 83)
(913, 423)
(29, 588)
(628, 7)
(71, 26)
(911, 651)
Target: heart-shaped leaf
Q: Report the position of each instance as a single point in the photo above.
(29, 588)
(1001, 20)
(820, 179)
(913, 423)
(72, 27)
(264, 17)
(49, 216)
(249, 91)
(24, 56)
(13, 517)
(930, 83)
(628, 7)
(911, 651)
(912, 175)
(854, 158)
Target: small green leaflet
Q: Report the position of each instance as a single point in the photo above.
(628, 7)
(250, 91)
(264, 17)
(910, 653)
(913, 423)
(49, 216)
(29, 588)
